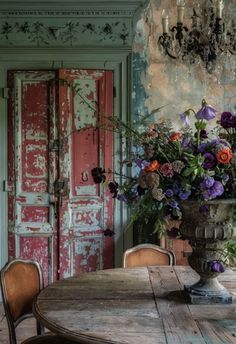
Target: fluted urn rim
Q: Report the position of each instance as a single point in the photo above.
(213, 201)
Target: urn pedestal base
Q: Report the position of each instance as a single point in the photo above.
(207, 292)
(208, 233)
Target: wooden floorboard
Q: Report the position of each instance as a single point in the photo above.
(25, 330)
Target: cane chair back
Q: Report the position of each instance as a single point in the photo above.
(21, 281)
(148, 254)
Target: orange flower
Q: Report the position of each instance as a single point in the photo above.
(153, 166)
(175, 136)
(224, 155)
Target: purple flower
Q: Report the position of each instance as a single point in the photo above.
(141, 163)
(176, 188)
(225, 178)
(184, 195)
(113, 187)
(207, 182)
(122, 198)
(217, 266)
(185, 142)
(216, 142)
(203, 134)
(202, 147)
(207, 112)
(98, 174)
(203, 209)
(108, 232)
(169, 193)
(140, 190)
(210, 161)
(228, 120)
(173, 232)
(184, 117)
(217, 189)
(174, 204)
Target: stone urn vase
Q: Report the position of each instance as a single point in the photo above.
(207, 229)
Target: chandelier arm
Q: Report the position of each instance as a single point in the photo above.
(171, 55)
(208, 37)
(165, 41)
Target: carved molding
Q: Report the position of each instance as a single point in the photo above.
(71, 33)
(67, 13)
(67, 24)
(74, 9)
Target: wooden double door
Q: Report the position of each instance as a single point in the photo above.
(56, 131)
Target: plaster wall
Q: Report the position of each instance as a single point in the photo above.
(159, 81)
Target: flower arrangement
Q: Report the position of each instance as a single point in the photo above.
(169, 166)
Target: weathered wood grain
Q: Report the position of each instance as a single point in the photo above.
(178, 323)
(107, 284)
(135, 306)
(216, 312)
(218, 332)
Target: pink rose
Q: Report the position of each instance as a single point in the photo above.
(167, 170)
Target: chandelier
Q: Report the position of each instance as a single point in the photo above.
(208, 38)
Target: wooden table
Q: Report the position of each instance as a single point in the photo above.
(135, 306)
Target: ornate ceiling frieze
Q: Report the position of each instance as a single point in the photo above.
(67, 13)
(71, 33)
(73, 24)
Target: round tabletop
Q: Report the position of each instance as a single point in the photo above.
(134, 306)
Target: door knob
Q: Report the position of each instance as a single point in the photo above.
(85, 176)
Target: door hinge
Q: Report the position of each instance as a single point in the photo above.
(61, 187)
(5, 92)
(114, 92)
(8, 186)
(54, 146)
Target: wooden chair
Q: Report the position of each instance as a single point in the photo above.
(148, 254)
(21, 280)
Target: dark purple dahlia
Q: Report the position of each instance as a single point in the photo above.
(113, 187)
(210, 161)
(228, 120)
(217, 266)
(98, 174)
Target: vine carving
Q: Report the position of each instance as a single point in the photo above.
(40, 34)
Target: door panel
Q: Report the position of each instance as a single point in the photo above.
(32, 228)
(85, 98)
(57, 215)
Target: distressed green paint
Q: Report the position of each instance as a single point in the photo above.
(55, 34)
(175, 85)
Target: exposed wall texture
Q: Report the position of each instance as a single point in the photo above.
(158, 80)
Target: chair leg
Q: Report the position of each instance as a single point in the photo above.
(12, 337)
(40, 328)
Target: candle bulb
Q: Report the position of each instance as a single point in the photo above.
(180, 11)
(165, 21)
(219, 9)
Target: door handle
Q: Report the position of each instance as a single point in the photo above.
(84, 176)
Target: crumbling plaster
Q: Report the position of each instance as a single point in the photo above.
(158, 80)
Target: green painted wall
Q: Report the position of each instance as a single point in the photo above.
(67, 34)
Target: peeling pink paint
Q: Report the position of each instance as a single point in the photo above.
(32, 226)
(85, 248)
(60, 228)
(34, 214)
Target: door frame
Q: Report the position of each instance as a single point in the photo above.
(116, 59)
